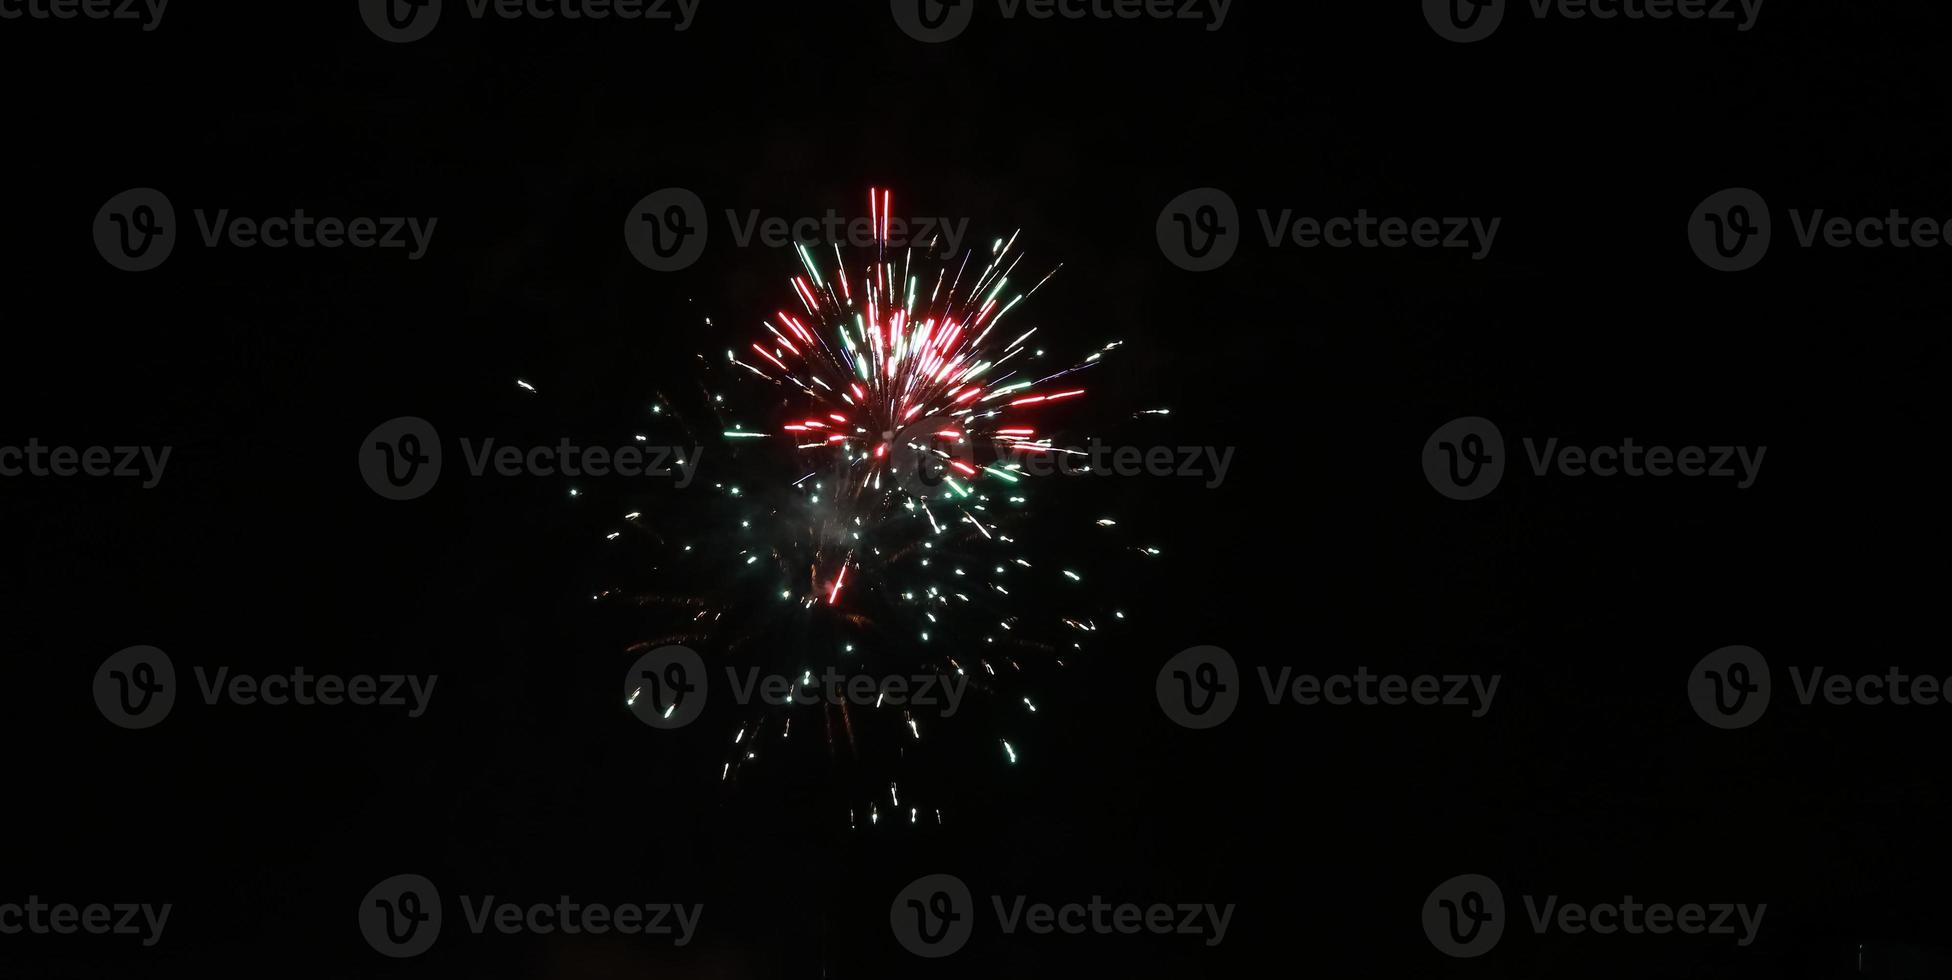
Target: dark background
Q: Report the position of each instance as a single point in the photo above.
(1325, 549)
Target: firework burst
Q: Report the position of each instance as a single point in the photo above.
(874, 518)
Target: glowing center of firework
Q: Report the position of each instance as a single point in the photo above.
(905, 364)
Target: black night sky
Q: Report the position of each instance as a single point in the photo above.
(1324, 550)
